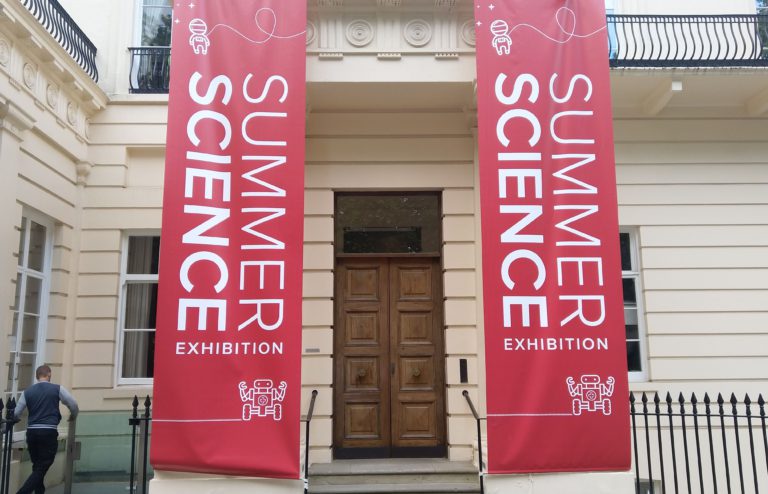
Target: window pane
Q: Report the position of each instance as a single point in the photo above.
(29, 334)
(26, 370)
(36, 247)
(32, 296)
(628, 286)
(633, 332)
(387, 223)
(11, 366)
(626, 252)
(18, 292)
(143, 255)
(22, 234)
(633, 356)
(140, 305)
(156, 26)
(138, 354)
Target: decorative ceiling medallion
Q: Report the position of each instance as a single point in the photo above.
(468, 32)
(311, 32)
(29, 74)
(5, 53)
(359, 33)
(417, 32)
(71, 113)
(52, 95)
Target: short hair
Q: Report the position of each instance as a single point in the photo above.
(43, 371)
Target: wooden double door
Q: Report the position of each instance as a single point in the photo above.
(389, 358)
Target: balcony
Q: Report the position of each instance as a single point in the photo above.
(639, 41)
(688, 41)
(65, 30)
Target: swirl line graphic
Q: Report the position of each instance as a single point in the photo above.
(570, 14)
(269, 32)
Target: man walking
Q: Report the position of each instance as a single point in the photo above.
(43, 399)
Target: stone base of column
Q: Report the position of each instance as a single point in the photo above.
(558, 483)
(166, 482)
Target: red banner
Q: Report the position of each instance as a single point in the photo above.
(228, 344)
(554, 327)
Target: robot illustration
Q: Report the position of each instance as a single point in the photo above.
(590, 394)
(501, 40)
(199, 40)
(263, 399)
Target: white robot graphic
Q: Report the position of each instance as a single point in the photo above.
(591, 394)
(199, 40)
(501, 40)
(263, 399)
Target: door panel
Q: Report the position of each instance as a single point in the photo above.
(417, 351)
(362, 355)
(388, 357)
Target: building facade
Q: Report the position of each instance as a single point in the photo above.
(391, 183)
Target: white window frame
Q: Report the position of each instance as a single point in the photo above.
(635, 274)
(138, 25)
(45, 295)
(125, 280)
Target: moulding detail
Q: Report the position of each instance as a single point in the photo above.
(52, 95)
(417, 32)
(83, 169)
(360, 33)
(29, 75)
(468, 32)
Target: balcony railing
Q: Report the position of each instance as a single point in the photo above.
(688, 40)
(150, 69)
(634, 41)
(60, 25)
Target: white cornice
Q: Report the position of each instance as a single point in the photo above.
(30, 40)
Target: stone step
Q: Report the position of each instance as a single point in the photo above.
(423, 488)
(397, 475)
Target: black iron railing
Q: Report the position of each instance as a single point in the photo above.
(688, 40)
(691, 446)
(306, 439)
(6, 431)
(150, 69)
(60, 25)
(139, 450)
(480, 465)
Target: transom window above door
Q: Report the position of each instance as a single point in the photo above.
(387, 223)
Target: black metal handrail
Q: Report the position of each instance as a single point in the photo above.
(465, 393)
(6, 429)
(688, 40)
(310, 412)
(726, 424)
(139, 427)
(65, 30)
(150, 69)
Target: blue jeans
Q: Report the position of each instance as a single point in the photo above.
(42, 445)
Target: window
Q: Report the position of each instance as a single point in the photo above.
(762, 7)
(156, 17)
(138, 308)
(30, 306)
(630, 274)
(387, 222)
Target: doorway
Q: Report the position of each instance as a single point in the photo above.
(389, 382)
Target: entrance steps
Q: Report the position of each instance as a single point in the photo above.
(394, 476)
